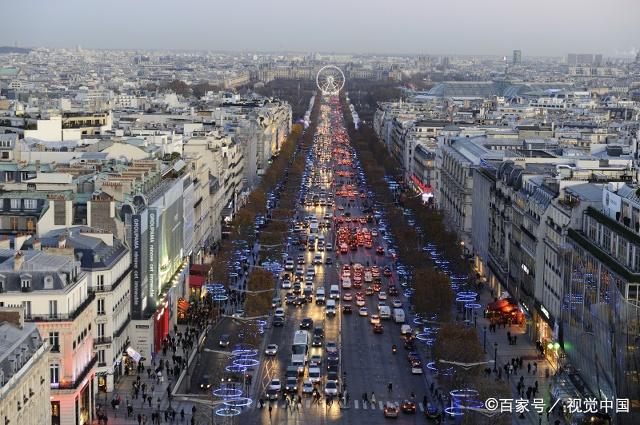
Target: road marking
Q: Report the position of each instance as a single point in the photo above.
(307, 403)
(355, 404)
(381, 405)
(421, 407)
(364, 405)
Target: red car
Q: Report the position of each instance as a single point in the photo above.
(378, 328)
(387, 272)
(408, 406)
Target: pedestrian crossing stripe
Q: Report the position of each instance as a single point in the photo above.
(357, 404)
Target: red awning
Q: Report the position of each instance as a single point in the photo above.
(199, 268)
(498, 305)
(196, 281)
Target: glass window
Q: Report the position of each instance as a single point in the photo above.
(30, 204)
(54, 373)
(15, 204)
(54, 341)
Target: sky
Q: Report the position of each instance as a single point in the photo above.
(453, 27)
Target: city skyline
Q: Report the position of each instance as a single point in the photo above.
(339, 28)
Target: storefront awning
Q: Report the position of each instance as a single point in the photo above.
(199, 268)
(196, 281)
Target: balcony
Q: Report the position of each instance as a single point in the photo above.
(65, 317)
(115, 284)
(73, 385)
(103, 340)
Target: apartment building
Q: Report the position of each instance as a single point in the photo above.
(55, 295)
(24, 371)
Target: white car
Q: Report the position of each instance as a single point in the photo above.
(364, 311)
(317, 259)
(396, 304)
(275, 384)
(382, 295)
(374, 319)
(271, 350)
(347, 296)
(331, 388)
(360, 302)
(331, 347)
(314, 374)
(279, 312)
(288, 265)
(307, 386)
(286, 284)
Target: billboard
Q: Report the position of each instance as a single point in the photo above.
(152, 254)
(136, 258)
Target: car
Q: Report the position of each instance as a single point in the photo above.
(378, 328)
(314, 374)
(286, 284)
(386, 272)
(204, 382)
(364, 311)
(315, 359)
(299, 301)
(316, 341)
(272, 394)
(390, 410)
(307, 387)
(396, 303)
(375, 319)
(238, 313)
(408, 406)
(278, 322)
(291, 384)
(346, 309)
(307, 323)
(382, 295)
(224, 340)
(347, 296)
(275, 384)
(360, 302)
(393, 290)
(331, 388)
(431, 412)
(271, 350)
(279, 312)
(380, 250)
(289, 265)
(416, 367)
(405, 330)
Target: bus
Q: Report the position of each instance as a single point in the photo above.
(301, 344)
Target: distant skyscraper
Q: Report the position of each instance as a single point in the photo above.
(572, 59)
(444, 62)
(517, 57)
(585, 59)
(598, 60)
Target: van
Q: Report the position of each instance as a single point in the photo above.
(398, 315)
(384, 312)
(334, 292)
(330, 309)
(320, 298)
(297, 360)
(346, 283)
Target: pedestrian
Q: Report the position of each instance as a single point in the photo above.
(270, 409)
(364, 398)
(373, 398)
(529, 367)
(139, 419)
(182, 415)
(425, 401)
(390, 387)
(509, 336)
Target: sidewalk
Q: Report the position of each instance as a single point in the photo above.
(524, 348)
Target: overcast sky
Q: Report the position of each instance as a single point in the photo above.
(537, 27)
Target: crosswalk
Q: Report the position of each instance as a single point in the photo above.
(353, 404)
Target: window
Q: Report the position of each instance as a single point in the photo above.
(54, 373)
(30, 204)
(8, 176)
(101, 357)
(14, 223)
(54, 341)
(26, 306)
(101, 330)
(31, 224)
(15, 204)
(100, 306)
(24, 175)
(53, 309)
(26, 284)
(100, 282)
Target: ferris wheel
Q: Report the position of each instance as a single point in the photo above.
(330, 80)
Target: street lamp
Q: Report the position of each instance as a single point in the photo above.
(484, 338)
(495, 357)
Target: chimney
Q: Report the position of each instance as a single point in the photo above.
(62, 241)
(37, 245)
(18, 261)
(37, 167)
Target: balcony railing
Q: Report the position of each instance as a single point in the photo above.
(114, 285)
(64, 317)
(102, 341)
(74, 384)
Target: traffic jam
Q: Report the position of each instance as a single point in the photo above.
(338, 225)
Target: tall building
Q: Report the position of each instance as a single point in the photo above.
(517, 57)
(24, 369)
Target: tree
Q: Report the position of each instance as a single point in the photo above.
(456, 343)
(179, 87)
(200, 89)
(433, 294)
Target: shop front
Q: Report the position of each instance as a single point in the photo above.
(547, 337)
(505, 311)
(160, 325)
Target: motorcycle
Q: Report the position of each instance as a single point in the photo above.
(394, 349)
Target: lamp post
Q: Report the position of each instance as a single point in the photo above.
(484, 339)
(495, 357)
